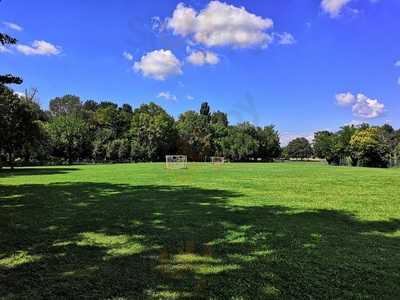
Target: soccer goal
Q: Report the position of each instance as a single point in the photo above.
(176, 161)
(217, 160)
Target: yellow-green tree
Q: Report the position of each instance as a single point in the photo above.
(369, 149)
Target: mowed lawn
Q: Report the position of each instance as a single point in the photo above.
(237, 231)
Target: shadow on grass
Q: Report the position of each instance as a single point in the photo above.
(34, 171)
(100, 241)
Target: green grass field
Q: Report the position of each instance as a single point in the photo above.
(238, 231)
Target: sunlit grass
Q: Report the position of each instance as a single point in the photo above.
(17, 259)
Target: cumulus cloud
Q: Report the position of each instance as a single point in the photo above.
(13, 26)
(286, 137)
(158, 64)
(39, 48)
(397, 63)
(368, 108)
(285, 38)
(362, 106)
(127, 55)
(333, 7)
(200, 58)
(183, 21)
(345, 99)
(167, 95)
(220, 24)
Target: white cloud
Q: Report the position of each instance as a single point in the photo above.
(397, 63)
(167, 95)
(212, 58)
(13, 26)
(220, 24)
(189, 97)
(159, 65)
(39, 48)
(196, 58)
(183, 21)
(19, 94)
(345, 99)
(286, 137)
(285, 38)
(200, 58)
(157, 24)
(127, 55)
(398, 81)
(362, 106)
(367, 108)
(333, 7)
(354, 123)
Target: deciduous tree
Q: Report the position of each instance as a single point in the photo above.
(152, 131)
(19, 123)
(368, 147)
(300, 148)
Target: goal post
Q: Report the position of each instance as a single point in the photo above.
(176, 161)
(217, 160)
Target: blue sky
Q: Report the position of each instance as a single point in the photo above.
(301, 65)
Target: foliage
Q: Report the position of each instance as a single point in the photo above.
(5, 39)
(219, 118)
(300, 148)
(107, 117)
(102, 137)
(361, 145)
(240, 144)
(118, 150)
(10, 79)
(68, 134)
(19, 123)
(325, 146)
(154, 130)
(205, 110)
(343, 147)
(195, 136)
(269, 143)
(66, 105)
(368, 147)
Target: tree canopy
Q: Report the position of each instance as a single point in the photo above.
(300, 148)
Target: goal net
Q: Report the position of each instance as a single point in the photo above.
(217, 160)
(176, 161)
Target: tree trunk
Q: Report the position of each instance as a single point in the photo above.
(11, 160)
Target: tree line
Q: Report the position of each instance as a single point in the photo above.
(363, 145)
(72, 130)
(75, 131)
